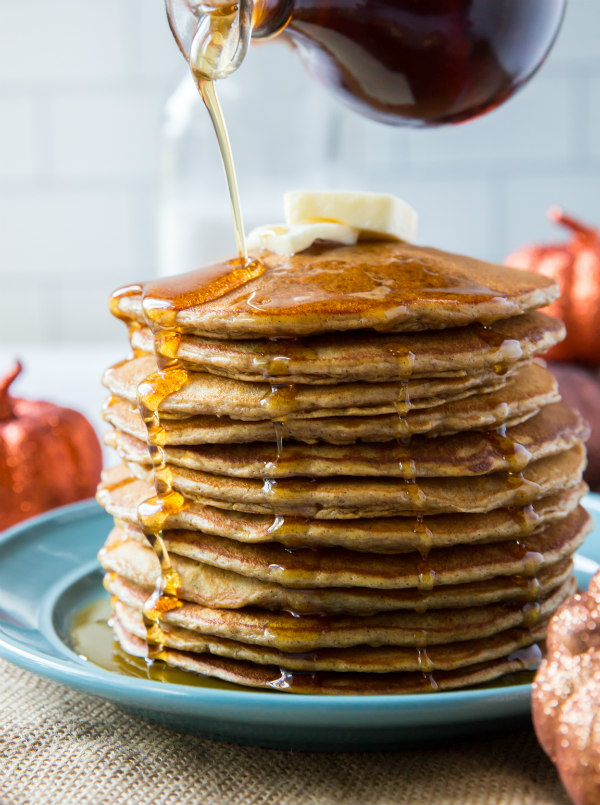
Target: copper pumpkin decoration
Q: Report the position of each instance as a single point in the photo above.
(576, 267)
(49, 456)
(580, 390)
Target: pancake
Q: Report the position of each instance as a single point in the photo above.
(405, 629)
(274, 677)
(525, 393)
(283, 629)
(120, 494)
(363, 657)
(554, 429)
(340, 567)
(334, 430)
(388, 286)
(222, 588)
(347, 497)
(214, 395)
(356, 356)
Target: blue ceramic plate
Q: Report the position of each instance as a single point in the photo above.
(48, 572)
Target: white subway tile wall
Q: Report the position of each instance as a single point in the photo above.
(111, 133)
(592, 101)
(83, 87)
(17, 137)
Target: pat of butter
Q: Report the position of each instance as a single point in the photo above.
(341, 216)
(372, 214)
(290, 239)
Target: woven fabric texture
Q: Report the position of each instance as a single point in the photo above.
(59, 746)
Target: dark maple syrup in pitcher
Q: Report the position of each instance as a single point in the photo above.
(403, 62)
(417, 62)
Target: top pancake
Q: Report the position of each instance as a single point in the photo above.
(387, 286)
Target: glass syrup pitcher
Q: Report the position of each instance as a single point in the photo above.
(402, 62)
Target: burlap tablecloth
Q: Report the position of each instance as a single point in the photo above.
(58, 746)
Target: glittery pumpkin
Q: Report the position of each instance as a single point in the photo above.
(566, 695)
(575, 265)
(49, 456)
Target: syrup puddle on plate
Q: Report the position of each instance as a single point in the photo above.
(92, 639)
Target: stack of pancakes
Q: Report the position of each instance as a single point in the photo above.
(381, 484)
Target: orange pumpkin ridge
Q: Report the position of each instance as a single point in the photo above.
(557, 215)
(6, 404)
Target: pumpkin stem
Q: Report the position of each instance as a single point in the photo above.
(6, 402)
(579, 230)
